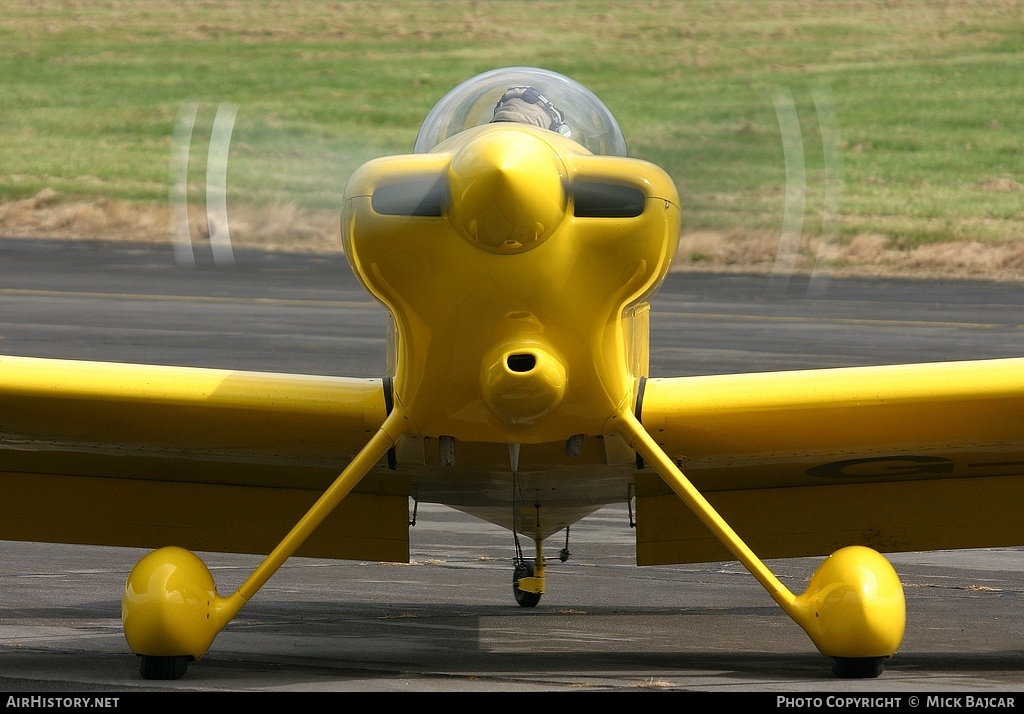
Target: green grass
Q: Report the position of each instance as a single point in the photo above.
(928, 98)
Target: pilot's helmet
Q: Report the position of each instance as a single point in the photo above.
(528, 95)
(526, 105)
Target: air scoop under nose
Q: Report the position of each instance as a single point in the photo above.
(521, 362)
(522, 384)
(506, 190)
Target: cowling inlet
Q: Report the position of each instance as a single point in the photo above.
(522, 383)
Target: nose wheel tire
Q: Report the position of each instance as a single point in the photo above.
(524, 569)
(857, 667)
(153, 667)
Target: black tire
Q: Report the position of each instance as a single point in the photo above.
(154, 667)
(858, 667)
(524, 569)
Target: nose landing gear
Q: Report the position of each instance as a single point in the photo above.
(528, 575)
(524, 580)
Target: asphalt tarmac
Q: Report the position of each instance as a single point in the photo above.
(447, 621)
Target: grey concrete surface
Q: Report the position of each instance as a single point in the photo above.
(447, 621)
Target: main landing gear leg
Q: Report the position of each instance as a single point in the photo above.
(853, 608)
(171, 610)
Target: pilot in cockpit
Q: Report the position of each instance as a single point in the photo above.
(526, 105)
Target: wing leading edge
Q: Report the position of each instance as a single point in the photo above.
(897, 458)
(908, 457)
(213, 460)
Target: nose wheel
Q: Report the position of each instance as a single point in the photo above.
(524, 598)
(154, 667)
(858, 667)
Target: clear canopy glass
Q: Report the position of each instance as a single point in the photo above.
(472, 103)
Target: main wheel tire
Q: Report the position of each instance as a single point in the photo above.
(858, 667)
(153, 667)
(524, 569)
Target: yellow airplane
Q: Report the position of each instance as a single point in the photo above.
(516, 250)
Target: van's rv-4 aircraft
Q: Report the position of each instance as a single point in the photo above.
(516, 250)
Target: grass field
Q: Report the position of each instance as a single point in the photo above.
(893, 132)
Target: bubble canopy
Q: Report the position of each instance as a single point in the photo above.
(472, 103)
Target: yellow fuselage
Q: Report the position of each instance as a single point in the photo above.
(519, 307)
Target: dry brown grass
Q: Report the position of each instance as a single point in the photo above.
(278, 226)
(863, 255)
(289, 228)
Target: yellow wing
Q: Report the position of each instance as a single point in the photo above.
(213, 460)
(898, 458)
